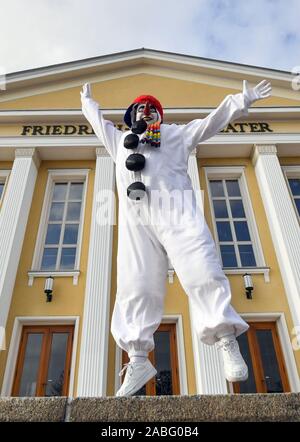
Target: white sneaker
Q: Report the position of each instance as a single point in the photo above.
(235, 367)
(137, 375)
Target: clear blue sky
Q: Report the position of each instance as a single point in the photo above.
(38, 33)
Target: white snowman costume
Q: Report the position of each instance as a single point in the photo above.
(143, 248)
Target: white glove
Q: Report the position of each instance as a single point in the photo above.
(260, 91)
(86, 91)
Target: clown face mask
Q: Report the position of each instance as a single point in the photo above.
(144, 108)
(148, 113)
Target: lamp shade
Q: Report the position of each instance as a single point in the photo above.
(248, 281)
(49, 285)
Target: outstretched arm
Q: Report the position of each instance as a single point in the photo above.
(108, 135)
(231, 108)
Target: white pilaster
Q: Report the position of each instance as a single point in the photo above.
(92, 376)
(282, 220)
(13, 220)
(208, 366)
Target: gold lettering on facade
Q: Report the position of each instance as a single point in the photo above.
(84, 129)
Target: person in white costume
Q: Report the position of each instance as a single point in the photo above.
(153, 157)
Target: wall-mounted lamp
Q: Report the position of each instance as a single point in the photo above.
(49, 288)
(248, 285)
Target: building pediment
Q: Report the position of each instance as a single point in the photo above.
(178, 80)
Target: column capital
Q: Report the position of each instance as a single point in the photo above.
(29, 153)
(101, 152)
(263, 149)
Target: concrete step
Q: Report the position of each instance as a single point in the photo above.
(198, 408)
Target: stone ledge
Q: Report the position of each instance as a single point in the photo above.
(32, 409)
(198, 408)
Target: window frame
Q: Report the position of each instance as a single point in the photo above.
(290, 172)
(237, 173)
(54, 176)
(4, 175)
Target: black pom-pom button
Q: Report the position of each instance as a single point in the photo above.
(136, 191)
(139, 127)
(135, 162)
(131, 141)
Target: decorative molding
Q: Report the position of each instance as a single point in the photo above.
(57, 274)
(253, 138)
(171, 273)
(83, 147)
(4, 173)
(221, 172)
(101, 152)
(152, 56)
(291, 171)
(252, 270)
(283, 223)
(92, 373)
(76, 117)
(28, 153)
(263, 149)
(13, 221)
(13, 142)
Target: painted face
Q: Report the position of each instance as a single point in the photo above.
(147, 112)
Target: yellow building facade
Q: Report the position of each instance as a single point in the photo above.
(53, 178)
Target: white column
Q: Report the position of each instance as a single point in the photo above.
(283, 221)
(92, 376)
(209, 372)
(13, 220)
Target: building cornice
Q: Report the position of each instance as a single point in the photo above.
(84, 147)
(185, 114)
(145, 54)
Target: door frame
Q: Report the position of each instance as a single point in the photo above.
(47, 332)
(256, 357)
(167, 319)
(285, 343)
(14, 345)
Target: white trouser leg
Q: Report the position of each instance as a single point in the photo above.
(142, 274)
(193, 254)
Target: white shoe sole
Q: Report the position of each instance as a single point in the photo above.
(146, 377)
(237, 379)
